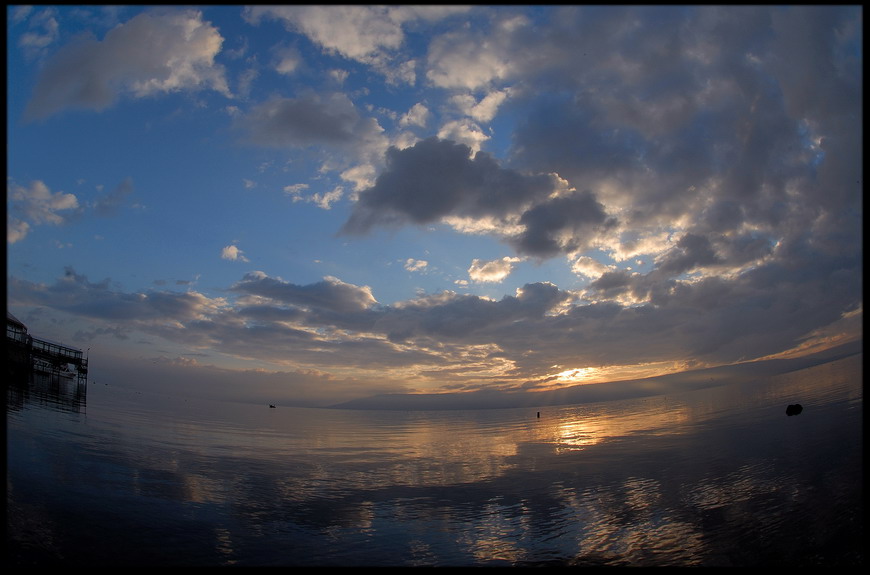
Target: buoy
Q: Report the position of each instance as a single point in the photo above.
(793, 409)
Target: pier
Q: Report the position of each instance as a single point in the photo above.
(27, 355)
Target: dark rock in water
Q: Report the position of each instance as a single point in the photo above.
(793, 409)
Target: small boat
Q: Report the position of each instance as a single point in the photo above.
(270, 405)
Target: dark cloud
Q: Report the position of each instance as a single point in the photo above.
(76, 294)
(329, 294)
(726, 142)
(463, 317)
(311, 119)
(154, 52)
(719, 117)
(561, 225)
(691, 251)
(438, 178)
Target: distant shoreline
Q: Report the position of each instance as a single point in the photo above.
(606, 391)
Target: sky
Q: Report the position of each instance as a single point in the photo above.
(311, 204)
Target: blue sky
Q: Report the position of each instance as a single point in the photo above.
(312, 204)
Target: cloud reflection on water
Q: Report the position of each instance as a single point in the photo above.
(718, 476)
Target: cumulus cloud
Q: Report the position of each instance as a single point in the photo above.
(438, 178)
(418, 115)
(233, 253)
(153, 53)
(75, 293)
(722, 146)
(707, 120)
(16, 230)
(323, 200)
(331, 293)
(413, 265)
(287, 60)
(467, 59)
(589, 267)
(491, 271)
(308, 120)
(367, 34)
(446, 337)
(485, 109)
(329, 121)
(42, 29)
(464, 131)
(36, 204)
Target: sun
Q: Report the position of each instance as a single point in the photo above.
(578, 375)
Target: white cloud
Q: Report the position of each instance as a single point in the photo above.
(465, 59)
(485, 109)
(413, 265)
(493, 271)
(362, 176)
(464, 131)
(418, 115)
(37, 205)
(233, 253)
(16, 230)
(43, 28)
(287, 61)
(367, 34)
(589, 267)
(355, 32)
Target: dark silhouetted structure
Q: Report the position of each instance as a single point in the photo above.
(26, 355)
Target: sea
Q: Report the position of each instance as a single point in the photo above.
(101, 475)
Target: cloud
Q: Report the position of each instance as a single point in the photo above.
(367, 34)
(418, 115)
(323, 200)
(722, 146)
(491, 271)
(331, 293)
(75, 294)
(437, 178)
(413, 265)
(42, 26)
(589, 267)
(287, 60)
(154, 52)
(108, 205)
(465, 132)
(37, 205)
(329, 120)
(564, 224)
(444, 339)
(16, 230)
(467, 59)
(484, 110)
(233, 253)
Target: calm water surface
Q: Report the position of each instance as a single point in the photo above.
(716, 477)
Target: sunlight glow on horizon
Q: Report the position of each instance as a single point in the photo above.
(479, 198)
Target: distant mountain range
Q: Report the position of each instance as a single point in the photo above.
(589, 393)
